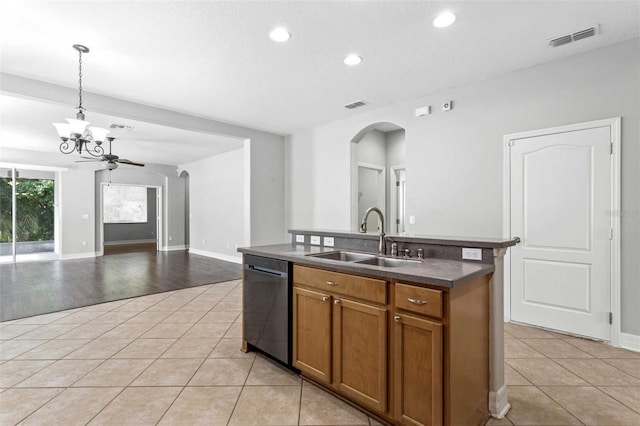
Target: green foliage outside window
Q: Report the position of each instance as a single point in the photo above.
(34, 199)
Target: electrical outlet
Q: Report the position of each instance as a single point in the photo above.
(84, 244)
(315, 240)
(170, 238)
(421, 112)
(471, 254)
(299, 238)
(412, 220)
(328, 242)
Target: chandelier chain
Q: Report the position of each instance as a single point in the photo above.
(80, 81)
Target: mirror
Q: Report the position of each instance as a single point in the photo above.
(378, 176)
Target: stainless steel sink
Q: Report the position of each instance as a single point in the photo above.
(387, 262)
(345, 256)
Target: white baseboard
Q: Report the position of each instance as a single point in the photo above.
(630, 341)
(78, 255)
(219, 256)
(499, 403)
(173, 248)
(126, 242)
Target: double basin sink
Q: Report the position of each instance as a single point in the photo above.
(364, 258)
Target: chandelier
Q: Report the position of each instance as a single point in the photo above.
(75, 134)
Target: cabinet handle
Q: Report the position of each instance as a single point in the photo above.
(325, 298)
(331, 283)
(337, 301)
(417, 301)
(396, 318)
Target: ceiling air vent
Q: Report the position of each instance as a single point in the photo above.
(121, 126)
(578, 35)
(354, 105)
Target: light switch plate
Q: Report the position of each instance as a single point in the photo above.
(315, 240)
(471, 254)
(328, 242)
(299, 238)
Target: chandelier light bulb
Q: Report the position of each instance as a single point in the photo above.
(63, 129)
(99, 134)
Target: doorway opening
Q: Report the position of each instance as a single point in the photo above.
(130, 219)
(378, 176)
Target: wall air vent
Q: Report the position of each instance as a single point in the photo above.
(578, 35)
(121, 126)
(354, 105)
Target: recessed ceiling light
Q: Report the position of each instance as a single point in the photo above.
(444, 20)
(279, 34)
(352, 59)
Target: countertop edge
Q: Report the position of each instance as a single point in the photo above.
(370, 270)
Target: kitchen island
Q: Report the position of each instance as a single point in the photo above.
(405, 339)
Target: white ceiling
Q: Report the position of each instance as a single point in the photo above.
(214, 59)
(146, 142)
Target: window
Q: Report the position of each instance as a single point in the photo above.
(125, 204)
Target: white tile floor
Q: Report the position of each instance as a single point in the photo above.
(169, 358)
(173, 359)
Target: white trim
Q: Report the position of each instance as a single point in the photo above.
(34, 167)
(218, 256)
(499, 403)
(393, 196)
(78, 255)
(630, 341)
(614, 123)
(173, 248)
(126, 242)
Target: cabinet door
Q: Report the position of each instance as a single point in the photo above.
(312, 334)
(360, 352)
(418, 371)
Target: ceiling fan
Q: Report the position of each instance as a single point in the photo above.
(111, 159)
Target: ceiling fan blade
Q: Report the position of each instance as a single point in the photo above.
(92, 158)
(97, 160)
(132, 163)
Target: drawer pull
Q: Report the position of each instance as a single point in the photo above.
(417, 301)
(396, 318)
(325, 298)
(337, 301)
(331, 283)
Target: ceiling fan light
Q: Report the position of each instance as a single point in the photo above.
(77, 126)
(63, 129)
(99, 134)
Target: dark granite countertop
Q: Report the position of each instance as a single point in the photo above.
(479, 242)
(440, 272)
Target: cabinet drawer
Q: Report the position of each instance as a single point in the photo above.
(349, 285)
(420, 300)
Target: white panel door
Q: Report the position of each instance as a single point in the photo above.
(561, 210)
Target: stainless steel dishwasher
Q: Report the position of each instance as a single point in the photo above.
(267, 306)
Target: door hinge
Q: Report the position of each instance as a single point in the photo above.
(397, 183)
(397, 221)
(611, 148)
(611, 233)
(610, 317)
(511, 143)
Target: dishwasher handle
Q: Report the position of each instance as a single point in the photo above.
(264, 270)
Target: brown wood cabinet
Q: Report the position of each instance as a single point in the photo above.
(312, 334)
(412, 354)
(352, 358)
(418, 371)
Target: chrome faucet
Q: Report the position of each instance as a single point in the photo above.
(363, 227)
